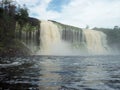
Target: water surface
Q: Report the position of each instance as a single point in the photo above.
(60, 73)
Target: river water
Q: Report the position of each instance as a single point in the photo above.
(60, 73)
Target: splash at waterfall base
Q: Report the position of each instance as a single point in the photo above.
(57, 39)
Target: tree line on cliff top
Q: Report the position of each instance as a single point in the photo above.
(10, 13)
(14, 19)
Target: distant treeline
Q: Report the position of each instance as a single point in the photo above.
(115, 28)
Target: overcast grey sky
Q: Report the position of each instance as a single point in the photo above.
(99, 13)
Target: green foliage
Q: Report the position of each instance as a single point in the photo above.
(1, 12)
(22, 16)
(26, 27)
(9, 15)
(13, 20)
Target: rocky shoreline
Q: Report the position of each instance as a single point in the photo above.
(16, 49)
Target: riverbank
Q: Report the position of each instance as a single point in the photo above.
(16, 48)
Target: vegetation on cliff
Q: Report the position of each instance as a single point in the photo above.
(14, 19)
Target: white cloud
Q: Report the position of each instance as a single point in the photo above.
(100, 13)
(39, 7)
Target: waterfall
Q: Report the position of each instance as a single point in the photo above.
(96, 41)
(49, 36)
(68, 40)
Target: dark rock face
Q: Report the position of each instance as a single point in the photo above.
(15, 49)
(34, 21)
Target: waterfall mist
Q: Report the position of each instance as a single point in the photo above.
(56, 40)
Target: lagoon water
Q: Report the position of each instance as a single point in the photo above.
(60, 73)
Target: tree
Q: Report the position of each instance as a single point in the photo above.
(9, 15)
(22, 18)
(7, 20)
(1, 12)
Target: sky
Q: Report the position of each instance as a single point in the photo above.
(80, 13)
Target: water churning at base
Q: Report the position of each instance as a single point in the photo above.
(58, 40)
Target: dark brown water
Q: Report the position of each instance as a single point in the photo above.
(60, 73)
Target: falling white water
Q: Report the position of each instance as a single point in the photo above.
(56, 42)
(49, 36)
(96, 42)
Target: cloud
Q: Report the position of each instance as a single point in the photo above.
(100, 13)
(38, 9)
